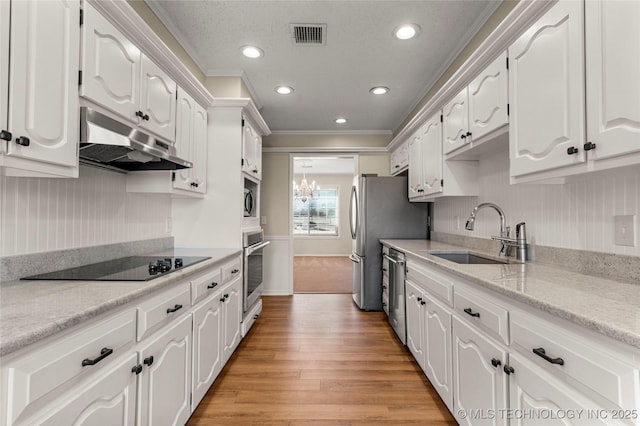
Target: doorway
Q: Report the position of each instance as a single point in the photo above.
(319, 227)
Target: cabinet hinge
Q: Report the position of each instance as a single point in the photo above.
(242, 161)
(442, 183)
(243, 122)
(441, 118)
(507, 109)
(79, 77)
(81, 17)
(173, 176)
(507, 63)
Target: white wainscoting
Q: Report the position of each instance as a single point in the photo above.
(278, 266)
(578, 214)
(41, 214)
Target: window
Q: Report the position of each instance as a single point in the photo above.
(317, 215)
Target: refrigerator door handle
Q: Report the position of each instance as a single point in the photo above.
(354, 259)
(353, 225)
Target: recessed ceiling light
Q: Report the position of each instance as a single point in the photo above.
(284, 90)
(341, 120)
(407, 31)
(251, 52)
(379, 90)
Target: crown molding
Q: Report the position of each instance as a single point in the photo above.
(120, 14)
(330, 132)
(518, 20)
(247, 106)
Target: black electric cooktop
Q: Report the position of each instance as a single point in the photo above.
(133, 268)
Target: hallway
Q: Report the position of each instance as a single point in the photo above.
(318, 360)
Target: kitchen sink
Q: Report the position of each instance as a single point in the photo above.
(465, 257)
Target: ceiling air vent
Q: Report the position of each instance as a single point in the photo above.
(309, 34)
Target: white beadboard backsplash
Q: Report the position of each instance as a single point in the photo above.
(578, 214)
(41, 214)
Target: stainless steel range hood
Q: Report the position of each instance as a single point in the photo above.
(110, 143)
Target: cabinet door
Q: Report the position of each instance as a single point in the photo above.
(199, 149)
(109, 399)
(477, 384)
(546, 90)
(488, 99)
(4, 64)
(232, 318)
(185, 116)
(432, 156)
(165, 382)
(43, 88)
(415, 164)
(110, 66)
(158, 100)
(437, 347)
(533, 390)
(414, 321)
(207, 350)
(613, 89)
(250, 147)
(456, 122)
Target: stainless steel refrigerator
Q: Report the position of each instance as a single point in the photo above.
(379, 208)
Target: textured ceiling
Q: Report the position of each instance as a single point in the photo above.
(331, 80)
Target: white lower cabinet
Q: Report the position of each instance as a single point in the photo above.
(534, 390)
(110, 399)
(232, 317)
(207, 350)
(437, 348)
(165, 380)
(495, 361)
(480, 385)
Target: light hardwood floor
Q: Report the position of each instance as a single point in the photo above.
(321, 274)
(315, 359)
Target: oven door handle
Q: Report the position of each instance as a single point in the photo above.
(255, 247)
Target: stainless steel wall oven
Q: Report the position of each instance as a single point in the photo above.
(254, 245)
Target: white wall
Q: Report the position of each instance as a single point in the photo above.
(41, 215)
(328, 245)
(577, 215)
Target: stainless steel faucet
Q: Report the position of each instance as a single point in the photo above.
(504, 229)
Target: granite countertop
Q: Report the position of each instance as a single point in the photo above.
(33, 310)
(610, 307)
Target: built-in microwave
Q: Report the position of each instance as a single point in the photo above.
(249, 203)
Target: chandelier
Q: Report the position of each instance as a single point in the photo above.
(304, 191)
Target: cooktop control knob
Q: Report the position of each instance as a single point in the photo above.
(164, 265)
(153, 268)
(178, 262)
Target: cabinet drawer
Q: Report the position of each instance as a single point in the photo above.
(437, 284)
(162, 308)
(385, 268)
(205, 284)
(231, 270)
(587, 365)
(484, 314)
(41, 371)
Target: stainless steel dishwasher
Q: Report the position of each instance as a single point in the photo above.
(396, 293)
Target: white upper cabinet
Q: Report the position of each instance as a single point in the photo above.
(613, 77)
(117, 76)
(456, 122)
(399, 159)
(478, 110)
(488, 100)
(546, 89)
(432, 156)
(191, 143)
(251, 150)
(41, 52)
(415, 164)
